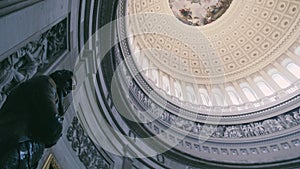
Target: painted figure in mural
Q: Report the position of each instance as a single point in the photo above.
(216, 11)
(31, 119)
(199, 12)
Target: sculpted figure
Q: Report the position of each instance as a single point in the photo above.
(9, 72)
(296, 116)
(31, 119)
(290, 120)
(56, 39)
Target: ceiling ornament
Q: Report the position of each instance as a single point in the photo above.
(199, 12)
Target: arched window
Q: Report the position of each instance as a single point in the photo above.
(297, 51)
(282, 82)
(219, 97)
(220, 100)
(234, 97)
(145, 66)
(137, 54)
(279, 79)
(249, 93)
(178, 91)
(191, 94)
(155, 76)
(264, 88)
(130, 40)
(294, 69)
(166, 84)
(204, 97)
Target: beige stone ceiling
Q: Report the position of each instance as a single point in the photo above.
(248, 37)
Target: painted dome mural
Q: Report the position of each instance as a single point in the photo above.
(199, 12)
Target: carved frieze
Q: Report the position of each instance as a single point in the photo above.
(244, 130)
(85, 149)
(278, 123)
(33, 57)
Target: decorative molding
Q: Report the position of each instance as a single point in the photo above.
(223, 145)
(245, 109)
(85, 149)
(263, 127)
(280, 135)
(34, 57)
(254, 29)
(10, 6)
(258, 128)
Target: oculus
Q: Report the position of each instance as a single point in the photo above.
(199, 12)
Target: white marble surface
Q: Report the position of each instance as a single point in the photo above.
(19, 26)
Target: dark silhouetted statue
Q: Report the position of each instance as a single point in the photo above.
(31, 119)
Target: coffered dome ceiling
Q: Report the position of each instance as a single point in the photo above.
(245, 51)
(225, 92)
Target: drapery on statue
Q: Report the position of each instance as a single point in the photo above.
(31, 119)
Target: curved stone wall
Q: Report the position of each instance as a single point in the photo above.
(95, 106)
(233, 52)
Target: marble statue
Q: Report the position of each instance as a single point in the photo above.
(31, 119)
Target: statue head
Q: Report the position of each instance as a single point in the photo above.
(64, 81)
